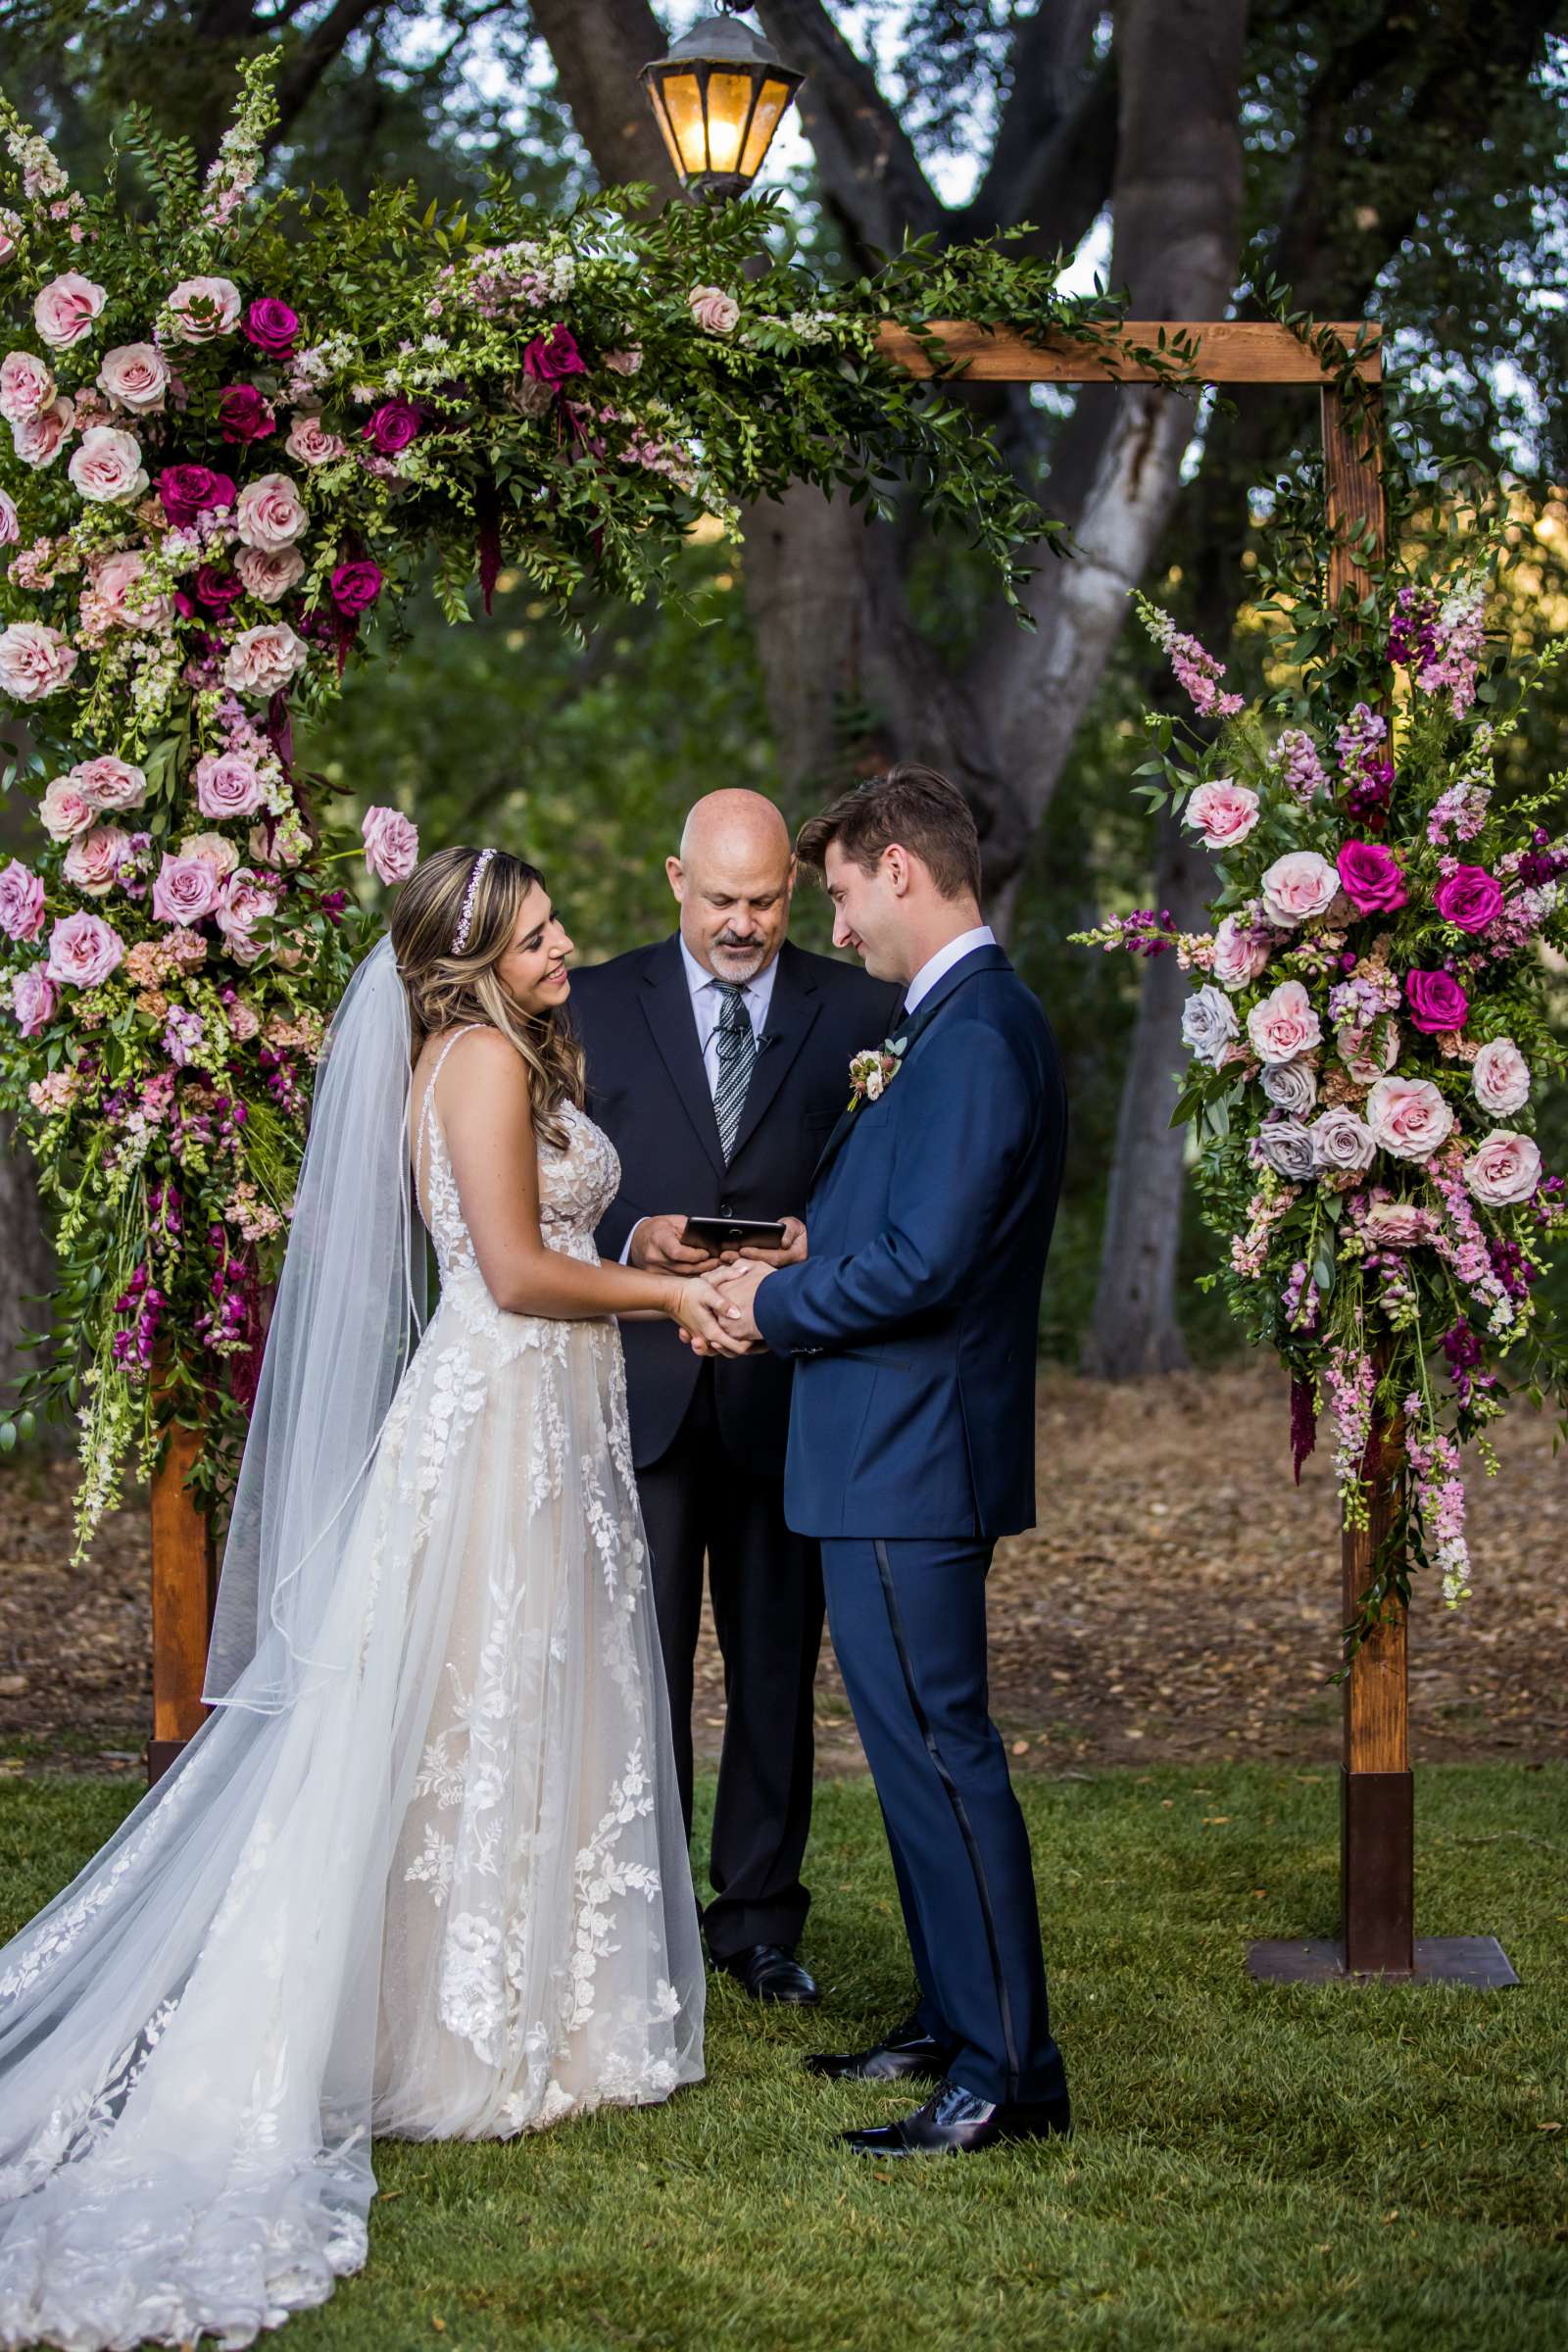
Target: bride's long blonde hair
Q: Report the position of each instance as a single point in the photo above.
(446, 990)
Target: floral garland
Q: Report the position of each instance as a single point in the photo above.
(1369, 1034)
(237, 428)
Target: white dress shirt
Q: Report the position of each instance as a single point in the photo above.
(933, 969)
(757, 995)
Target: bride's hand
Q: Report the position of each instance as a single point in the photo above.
(700, 1310)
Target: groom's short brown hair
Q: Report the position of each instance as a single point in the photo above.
(912, 805)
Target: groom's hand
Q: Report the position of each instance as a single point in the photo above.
(738, 1285)
(789, 1252)
(656, 1247)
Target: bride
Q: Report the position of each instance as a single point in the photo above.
(422, 1871)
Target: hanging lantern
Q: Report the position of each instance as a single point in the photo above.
(718, 97)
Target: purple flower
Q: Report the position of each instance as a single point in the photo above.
(187, 491)
(272, 326)
(550, 358)
(356, 585)
(1438, 1003)
(392, 426)
(245, 414)
(1370, 874)
(1470, 897)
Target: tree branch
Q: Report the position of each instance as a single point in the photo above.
(1055, 150)
(871, 175)
(598, 48)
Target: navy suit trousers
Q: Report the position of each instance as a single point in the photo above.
(908, 1623)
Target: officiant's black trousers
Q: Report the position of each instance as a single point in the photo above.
(766, 1585)
(908, 1623)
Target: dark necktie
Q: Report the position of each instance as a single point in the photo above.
(737, 1051)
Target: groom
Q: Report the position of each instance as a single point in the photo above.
(913, 1326)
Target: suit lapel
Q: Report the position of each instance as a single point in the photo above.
(792, 1012)
(981, 960)
(668, 1009)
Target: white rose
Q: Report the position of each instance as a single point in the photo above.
(1209, 1024)
(1504, 1170)
(1284, 1026)
(106, 467)
(26, 387)
(65, 309)
(1298, 887)
(1342, 1142)
(136, 375)
(263, 660)
(1500, 1076)
(1292, 1087)
(269, 514)
(1409, 1117)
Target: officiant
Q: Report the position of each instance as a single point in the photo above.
(718, 1065)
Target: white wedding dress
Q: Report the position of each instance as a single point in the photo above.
(444, 1894)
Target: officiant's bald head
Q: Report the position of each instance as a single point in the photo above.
(734, 877)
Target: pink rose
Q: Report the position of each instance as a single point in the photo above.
(1396, 1224)
(20, 902)
(1284, 1025)
(1409, 1117)
(245, 414)
(310, 442)
(10, 528)
(94, 860)
(269, 573)
(714, 310)
(109, 782)
(624, 362)
(1226, 812)
(263, 660)
(269, 514)
(215, 850)
(84, 951)
(1370, 874)
(186, 890)
(106, 467)
(1241, 954)
(26, 387)
(1438, 1003)
(272, 326)
(392, 426)
(1504, 1169)
(200, 308)
(64, 809)
(245, 903)
(35, 661)
(1364, 1060)
(1469, 897)
(136, 375)
(1298, 887)
(113, 581)
(41, 440)
(228, 785)
(1500, 1077)
(391, 845)
(65, 309)
(34, 1000)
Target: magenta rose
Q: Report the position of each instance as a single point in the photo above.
(392, 426)
(34, 1000)
(187, 491)
(356, 585)
(245, 415)
(216, 589)
(84, 951)
(1438, 1003)
(1470, 897)
(550, 358)
(272, 326)
(20, 902)
(1371, 876)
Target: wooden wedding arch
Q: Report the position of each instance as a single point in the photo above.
(1377, 1801)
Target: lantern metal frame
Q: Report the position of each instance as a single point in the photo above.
(719, 49)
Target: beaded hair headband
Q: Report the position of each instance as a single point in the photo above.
(460, 938)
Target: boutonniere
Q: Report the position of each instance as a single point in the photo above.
(872, 1072)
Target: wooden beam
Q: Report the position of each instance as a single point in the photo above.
(1233, 351)
(184, 1588)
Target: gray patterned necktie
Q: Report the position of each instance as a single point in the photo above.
(737, 1051)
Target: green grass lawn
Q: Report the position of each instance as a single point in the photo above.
(1260, 2168)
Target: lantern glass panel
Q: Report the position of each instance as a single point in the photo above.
(771, 106)
(660, 117)
(683, 98)
(729, 106)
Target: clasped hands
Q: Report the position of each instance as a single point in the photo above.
(718, 1293)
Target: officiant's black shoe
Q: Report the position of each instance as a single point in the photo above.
(955, 2123)
(768, 1973)
(908, 2054)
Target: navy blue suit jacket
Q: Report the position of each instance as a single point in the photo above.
(912, 1324)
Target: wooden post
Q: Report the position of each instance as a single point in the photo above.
(184, 1588)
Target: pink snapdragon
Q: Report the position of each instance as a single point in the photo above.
(1438, 1493)
(1197, 673)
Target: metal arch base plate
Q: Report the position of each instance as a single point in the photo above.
(1477, 1960)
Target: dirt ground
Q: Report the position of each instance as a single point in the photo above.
(1177, 1601)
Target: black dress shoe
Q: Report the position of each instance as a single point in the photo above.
(955, 2123)
(768, 1973)
(907, 2054)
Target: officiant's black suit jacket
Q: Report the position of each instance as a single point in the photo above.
(647, 1089)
